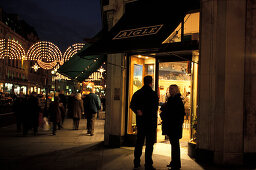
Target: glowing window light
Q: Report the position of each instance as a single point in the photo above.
(72, 50)
(46, 54)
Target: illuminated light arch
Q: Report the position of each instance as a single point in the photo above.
(46, 54)
(72, 50)
(2, 48)
(13, 50)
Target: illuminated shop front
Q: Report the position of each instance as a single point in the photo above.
(168, 68)
(143, 44)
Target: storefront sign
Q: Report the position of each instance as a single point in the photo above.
(143, 31)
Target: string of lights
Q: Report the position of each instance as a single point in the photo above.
(46, 54)
(72, 50)
(2, 48)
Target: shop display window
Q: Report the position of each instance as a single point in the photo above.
(140, 67)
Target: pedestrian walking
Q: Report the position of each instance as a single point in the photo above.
(18, 111)
(55, 110)
(172, 114)
(92, 107)
(63, 100)
(144, 104)
(78, 110)
(34, 109)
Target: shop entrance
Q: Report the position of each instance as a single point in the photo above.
(178, 73)
(166, 72)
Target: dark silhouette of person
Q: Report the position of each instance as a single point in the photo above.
(78, 109)
(144, 104)
(92, 106)
(32, 116)
(18, 111)
(55, 110)
(173, 117)
(63, 100)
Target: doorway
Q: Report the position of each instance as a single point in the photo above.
(178, 73)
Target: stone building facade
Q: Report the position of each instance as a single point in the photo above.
(18, 76)
(226, 105)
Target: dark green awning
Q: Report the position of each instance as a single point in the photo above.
(80, 67)
(143, 27)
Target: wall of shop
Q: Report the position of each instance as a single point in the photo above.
(116, 82)
(221, 81)
(115, 100)
(250, 79)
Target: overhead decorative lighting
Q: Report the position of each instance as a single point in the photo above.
(101, 69)
(2, 48)
(46, 54)
(12, 49)
(72, 50)
(35, 67)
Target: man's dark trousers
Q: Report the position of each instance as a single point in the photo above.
(149, 134)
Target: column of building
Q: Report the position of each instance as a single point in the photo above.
(221, 81)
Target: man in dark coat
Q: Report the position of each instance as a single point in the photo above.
(34, 109)
(55, 110)
(92, 106)
(144, 104)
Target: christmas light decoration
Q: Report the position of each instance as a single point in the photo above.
(46, 54)
(2, 48)
(72, 50)
(35, 67)
(13, 50)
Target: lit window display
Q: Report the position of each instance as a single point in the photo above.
(1, 87)
(8, 87)
(16, 89)
(23, 90)
(140, 66)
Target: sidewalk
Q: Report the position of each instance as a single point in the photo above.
(75, 150)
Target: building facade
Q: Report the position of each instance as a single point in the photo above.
(17, 75)
(219, 80)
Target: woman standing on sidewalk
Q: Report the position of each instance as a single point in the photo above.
(173, 113)
(78, 110)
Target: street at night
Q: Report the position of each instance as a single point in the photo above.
(127, 84)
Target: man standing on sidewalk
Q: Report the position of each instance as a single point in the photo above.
(91, 107)
(144, 104)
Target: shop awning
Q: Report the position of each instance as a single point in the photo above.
(143, 27)
(80, 67)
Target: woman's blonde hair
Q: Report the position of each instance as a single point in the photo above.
(175, 89)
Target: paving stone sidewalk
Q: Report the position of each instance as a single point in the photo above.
(75, 150)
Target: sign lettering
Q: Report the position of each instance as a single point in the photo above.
(143, 31)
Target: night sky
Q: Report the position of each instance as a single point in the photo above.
(62, 22)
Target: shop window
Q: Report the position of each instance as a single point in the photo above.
(140, 66)
(191, 29)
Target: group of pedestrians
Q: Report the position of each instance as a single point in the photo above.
(89, 106)
(29, 112)
(144, 104)
(26, 110)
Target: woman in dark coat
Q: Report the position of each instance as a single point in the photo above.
(78, 110)
(173, 117)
